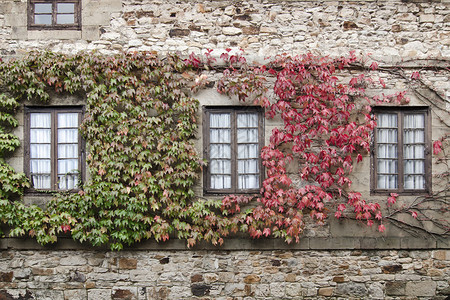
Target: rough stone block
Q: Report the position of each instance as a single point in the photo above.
(395, 288)
(351, 289)
(325, 291)
(6, 276)
(90, 33)
(125, 293)
(79, 294)
(421, 288)
(96, 294)
(127, 263)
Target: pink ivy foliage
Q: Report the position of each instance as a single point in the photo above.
(327, 127)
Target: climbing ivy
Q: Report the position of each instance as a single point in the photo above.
(139, 125)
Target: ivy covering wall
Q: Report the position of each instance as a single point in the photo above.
(139, 125)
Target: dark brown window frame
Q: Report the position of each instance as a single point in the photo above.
(81, 149)
(54, 25)
(206, 142)
(401, 112)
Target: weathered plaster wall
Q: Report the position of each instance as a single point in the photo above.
(224, 275)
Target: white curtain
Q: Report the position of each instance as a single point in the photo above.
(414, 151)
(67, 150)
(40, 150)
(387, 151)
(220, 150)
(248, 151)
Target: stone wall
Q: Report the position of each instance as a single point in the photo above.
(198, 274)
(389, 30)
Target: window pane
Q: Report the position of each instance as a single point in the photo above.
(43, 19)
(220, 151)
(387, 182)
(414, 121)
(40, 151)
(247, 135)
(68, 151)
(43, 8)
(220, 166)
(248, 166)
(387, 136)
(414, 182)
(66, 7)
(67, 182)
(67, 136)
(387, 166)
(247, 120)
(40, 120)
(65, 19)
(40, 166)
(40, 136)
(248, 151)
(66, 120)
(41, 181)
(414, 167)
(387, 151)
(220, 136)
(219, 120)
(414, 151)
(67, 166)
(387, 121)
(248, 181)
(220, 182)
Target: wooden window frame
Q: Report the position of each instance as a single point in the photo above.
(401, 112)
(54, 25)
(54, 144)
(233, 110)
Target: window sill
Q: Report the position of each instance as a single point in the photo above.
(52, 34)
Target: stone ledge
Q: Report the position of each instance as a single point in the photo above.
(342, 243)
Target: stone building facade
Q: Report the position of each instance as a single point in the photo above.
(339, 260)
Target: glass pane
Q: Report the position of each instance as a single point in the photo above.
(65, 19)
(220, 151)
(67, 166)
(248, 166)
(39, 151)
(248, 151)
(416, 151)
(387, 166)
(247, 135)
(220, 182)
(43, 8)
(247, 120)
(40, 136)
(414, 136)
(220, 167)
(219, 120)
(387, 136)
(65, 7)
(67, 182)
(40, 120)
(387, 151)
(41, 181)
(68, 151)
(387, 121)
(248, 181)
(387, 182)
(67, 136)
(41, 166)
(414, 121)
(43, 19)
(414, 167)
(68, 120)
(414, 182)
(220, 136)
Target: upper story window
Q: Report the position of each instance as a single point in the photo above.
(401, 154)
(233, 138)
(54, 150)
(54, 14)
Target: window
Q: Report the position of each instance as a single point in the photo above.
(54, 14)
(54, 151)
(401, 154)
(233, 139)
